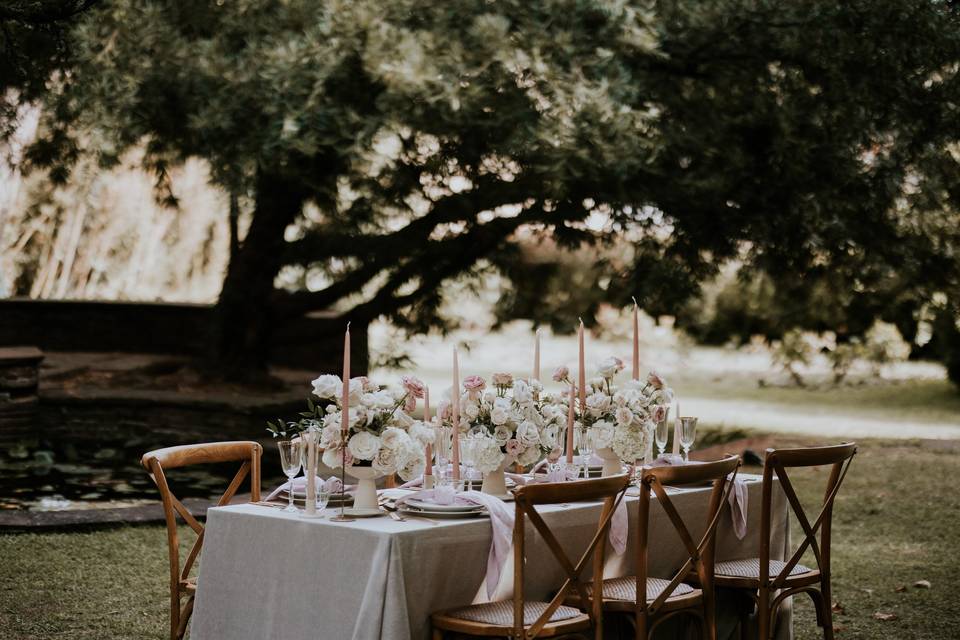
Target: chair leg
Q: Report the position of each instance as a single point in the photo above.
(436, 634)
(825, 598)
(764, 615)
(709, 618)
(185, 614)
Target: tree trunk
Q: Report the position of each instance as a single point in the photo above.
(243, 317)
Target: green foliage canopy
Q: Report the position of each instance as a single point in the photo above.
(809, 140)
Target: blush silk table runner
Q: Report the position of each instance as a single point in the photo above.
(268, 574)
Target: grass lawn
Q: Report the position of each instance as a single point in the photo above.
(896, 522)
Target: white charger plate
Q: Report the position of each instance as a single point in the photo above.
(442, 515)
(423, 505)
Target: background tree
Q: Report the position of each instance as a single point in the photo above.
(383, 148)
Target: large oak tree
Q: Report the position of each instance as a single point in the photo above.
(384, 147)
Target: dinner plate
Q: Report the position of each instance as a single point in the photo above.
(433, 506)
(363, 513)
(442, 515)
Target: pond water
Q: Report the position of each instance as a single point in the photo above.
(62, 475)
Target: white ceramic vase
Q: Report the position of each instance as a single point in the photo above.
(495, 482)
(611, 462)
(365, 497)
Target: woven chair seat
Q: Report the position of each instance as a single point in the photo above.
(626, 589)
(750, 568)
(501, 613)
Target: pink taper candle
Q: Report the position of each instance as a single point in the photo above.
(569, 446)
(455, 413)
(582, 374)
(536, 356)
(636, 341)
(345, 400)
(428, 470)
(676, 431)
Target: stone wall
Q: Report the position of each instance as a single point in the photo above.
(313, 342)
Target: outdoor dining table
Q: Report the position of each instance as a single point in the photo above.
(269, 574)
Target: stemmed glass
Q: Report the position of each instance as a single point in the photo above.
(441, 448)
(688, 433)
(663, 433)
(323, 496)
(584, 447)
(290, 451)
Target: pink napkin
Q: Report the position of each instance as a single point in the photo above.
(738, 496)
(299, 484)
(619, 524)
(501, 520)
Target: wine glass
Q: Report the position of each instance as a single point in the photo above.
(323, 496)
(688, 433)
(441, 449)
(585, 447)
(663, 433)
(290, 451)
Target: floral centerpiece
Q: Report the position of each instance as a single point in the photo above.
(503, 424)
(620, 420)
(382, 438)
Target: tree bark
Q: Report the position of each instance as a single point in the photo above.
(243, 319)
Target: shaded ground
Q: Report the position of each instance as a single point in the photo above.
(896, 523)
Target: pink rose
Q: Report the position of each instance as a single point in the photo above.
(410, 404)
(561, 373)
(474, 383)
(514, 448)
(413, 386)
(659, 413)
(502, 379)
(654, 378)
(619, 362)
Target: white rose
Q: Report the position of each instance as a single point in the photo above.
(629, 444)
(501, 434)
(356, 390)
(487, 455)
(624, 417)
(330, 436)
(385, 461)
(471, 411)
(548, 437)
(529, 456)
(489, 397)
(389, 438)
(528, 434)
(332, 457)
(499, 415)
(522, 393)
(364, 445)
(332, 419)
(326, 387)
(608, 367)
(413, 465)
(598, 403)
(602, 432)
(422, 433)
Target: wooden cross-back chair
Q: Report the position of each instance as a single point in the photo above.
(156, 462)
(522, 619)
(650, 601)
(769, 581)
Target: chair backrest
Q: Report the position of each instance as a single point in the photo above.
(699, 554)
(838, 457)
(155, 462)
(610, 490)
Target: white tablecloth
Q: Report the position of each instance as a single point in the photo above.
(268, 574)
